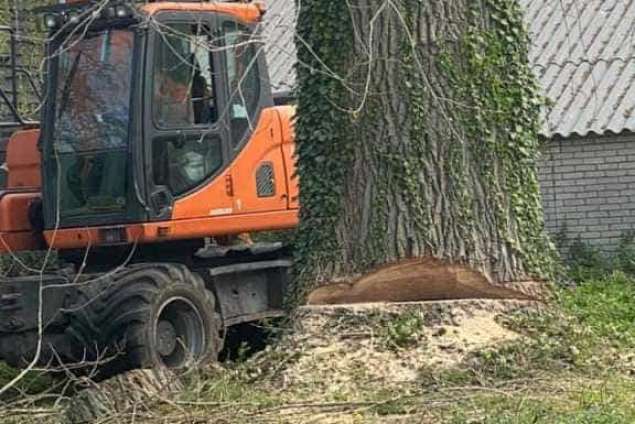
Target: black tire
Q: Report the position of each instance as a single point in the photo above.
(147, 316)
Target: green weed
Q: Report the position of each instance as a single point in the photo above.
(403, 331)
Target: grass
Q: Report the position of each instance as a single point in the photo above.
(26, 263)
(597, 402)
(606, 306)
(35, 382)
(576, 365)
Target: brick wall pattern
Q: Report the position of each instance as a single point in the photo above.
(588, 188)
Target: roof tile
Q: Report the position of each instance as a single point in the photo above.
(583, 52)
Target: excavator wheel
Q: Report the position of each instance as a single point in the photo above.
(146, 316)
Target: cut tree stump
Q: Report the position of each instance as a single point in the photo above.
(424, 280)
(123, 395)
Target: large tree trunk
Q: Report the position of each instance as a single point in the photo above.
(417, 137)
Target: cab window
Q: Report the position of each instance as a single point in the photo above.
(182, 165)
(243, 78)
(184, 97)
(184, 93)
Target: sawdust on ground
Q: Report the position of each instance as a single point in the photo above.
(342, 347)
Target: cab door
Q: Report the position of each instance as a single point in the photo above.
(257, 169)
(188, 140)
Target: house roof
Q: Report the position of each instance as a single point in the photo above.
(583, 52)
(278, 30)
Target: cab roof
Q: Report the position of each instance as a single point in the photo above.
(248, 12)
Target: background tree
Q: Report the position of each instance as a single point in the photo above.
(417, 137)
(18, 15)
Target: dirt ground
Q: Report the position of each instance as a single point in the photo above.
(392, 343)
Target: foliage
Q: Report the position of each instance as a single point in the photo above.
(494, 79)
(30, 48)
(572, 366)
(585, 332)
(35, 382)
(604, 402)
(321, 134)
(581, 346)
(624, 257)
(606, 306)
(404, 331)
(587, 262)
(226, 385)
(27, 263)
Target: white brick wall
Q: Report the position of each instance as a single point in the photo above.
(588, 187)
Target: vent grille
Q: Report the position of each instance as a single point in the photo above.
(265, 180)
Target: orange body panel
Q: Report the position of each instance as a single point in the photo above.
(156, 232)
(23, 187)
(20, 241)
(234, 191)
(15, 230)
(23, 160)
(14, 208)
(250, 13)
(229, 204)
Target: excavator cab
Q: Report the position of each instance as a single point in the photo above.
(147, 108)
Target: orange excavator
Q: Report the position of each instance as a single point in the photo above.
(159, 136)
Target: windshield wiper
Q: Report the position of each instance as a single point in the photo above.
(67, 85)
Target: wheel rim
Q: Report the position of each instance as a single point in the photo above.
(179, 333)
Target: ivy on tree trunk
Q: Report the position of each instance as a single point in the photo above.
(417, 136)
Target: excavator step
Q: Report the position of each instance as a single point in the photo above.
(256, 249)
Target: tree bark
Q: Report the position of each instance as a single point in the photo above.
(417, 137)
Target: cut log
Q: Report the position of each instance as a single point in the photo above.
(421, 280)
(123, 395)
